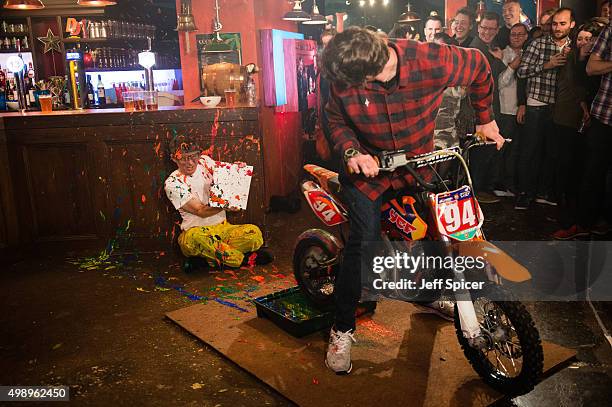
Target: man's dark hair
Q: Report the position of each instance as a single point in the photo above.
(466, 12)
(533, 32)
(434, 18)
(400, 31)
(445, 38)
(352, 55)
(180, 144)
(490, 15)
(562, 9)
(520, 25)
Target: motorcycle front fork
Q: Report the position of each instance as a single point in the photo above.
(465, 306)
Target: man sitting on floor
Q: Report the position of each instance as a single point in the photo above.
(205, 231)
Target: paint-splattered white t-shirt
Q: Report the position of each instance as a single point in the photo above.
(181, 188)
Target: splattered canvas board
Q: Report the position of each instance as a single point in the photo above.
(231, 184)
(400, 355)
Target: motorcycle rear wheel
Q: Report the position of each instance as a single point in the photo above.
(316, 281)
(523, 345)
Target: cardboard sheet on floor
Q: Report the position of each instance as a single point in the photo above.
(402, 357)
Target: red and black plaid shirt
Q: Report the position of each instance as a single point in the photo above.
(371, 118)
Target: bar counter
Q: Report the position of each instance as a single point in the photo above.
(81, 176)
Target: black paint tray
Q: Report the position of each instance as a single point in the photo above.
(290, 310)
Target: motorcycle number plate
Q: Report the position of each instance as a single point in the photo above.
(324, 207)
(458, 214)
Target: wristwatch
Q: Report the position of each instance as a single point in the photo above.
(350, 153)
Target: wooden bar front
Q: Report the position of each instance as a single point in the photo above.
(82, 176)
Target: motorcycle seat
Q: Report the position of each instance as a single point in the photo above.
(327, 179)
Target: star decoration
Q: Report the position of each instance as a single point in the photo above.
(51, 41)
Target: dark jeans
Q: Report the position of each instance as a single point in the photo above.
(504, 162)
(569, 163)
(593, 185)
(364, 226)
(483, 168)
(537, 153)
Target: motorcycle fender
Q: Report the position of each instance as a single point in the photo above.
(504, 264)
(329, 241)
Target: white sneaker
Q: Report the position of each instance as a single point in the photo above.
(443, 309)
(503, 193)
(338, 356)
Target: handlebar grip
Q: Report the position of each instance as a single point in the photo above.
(351, 172)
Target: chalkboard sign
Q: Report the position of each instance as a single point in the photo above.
(212, 51)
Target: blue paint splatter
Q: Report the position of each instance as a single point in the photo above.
(230, 304)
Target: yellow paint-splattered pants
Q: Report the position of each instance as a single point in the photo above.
(223, 243)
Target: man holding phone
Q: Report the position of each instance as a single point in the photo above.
(538, 149)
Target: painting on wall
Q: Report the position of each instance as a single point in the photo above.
(274, 65)
(301, 75)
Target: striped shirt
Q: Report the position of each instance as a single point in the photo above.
(371, 118)
(602, 105)
(541, 83)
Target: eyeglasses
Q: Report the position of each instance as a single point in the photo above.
(518, 35)
(185, 158)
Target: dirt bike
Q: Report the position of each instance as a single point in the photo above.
(497, 334)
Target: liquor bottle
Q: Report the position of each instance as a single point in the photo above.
(26, 44)
(91, 99)
(66, 92)
(31, 73)
(31, 92)
(2, 90)
(101, 92)
(31, 87)
(11, 90)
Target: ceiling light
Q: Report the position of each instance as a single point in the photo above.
(316, 18)
(297, 14)
(24, 4)
(96, 3)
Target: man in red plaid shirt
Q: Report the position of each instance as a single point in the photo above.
(386, 97)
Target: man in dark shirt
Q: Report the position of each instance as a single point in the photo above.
(385, 96)
(482, 162)
(464, 21)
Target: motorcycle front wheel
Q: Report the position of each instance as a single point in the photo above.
(512, 362)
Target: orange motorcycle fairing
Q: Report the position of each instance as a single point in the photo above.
(324, 205)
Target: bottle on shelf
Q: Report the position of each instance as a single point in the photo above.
(251, 93)
(31, 86)
(91, 98)
(26, 44)
(101, 92)
(31, 89)
(66, 92)
(31, 73)
(2, 90)
(11, 87)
